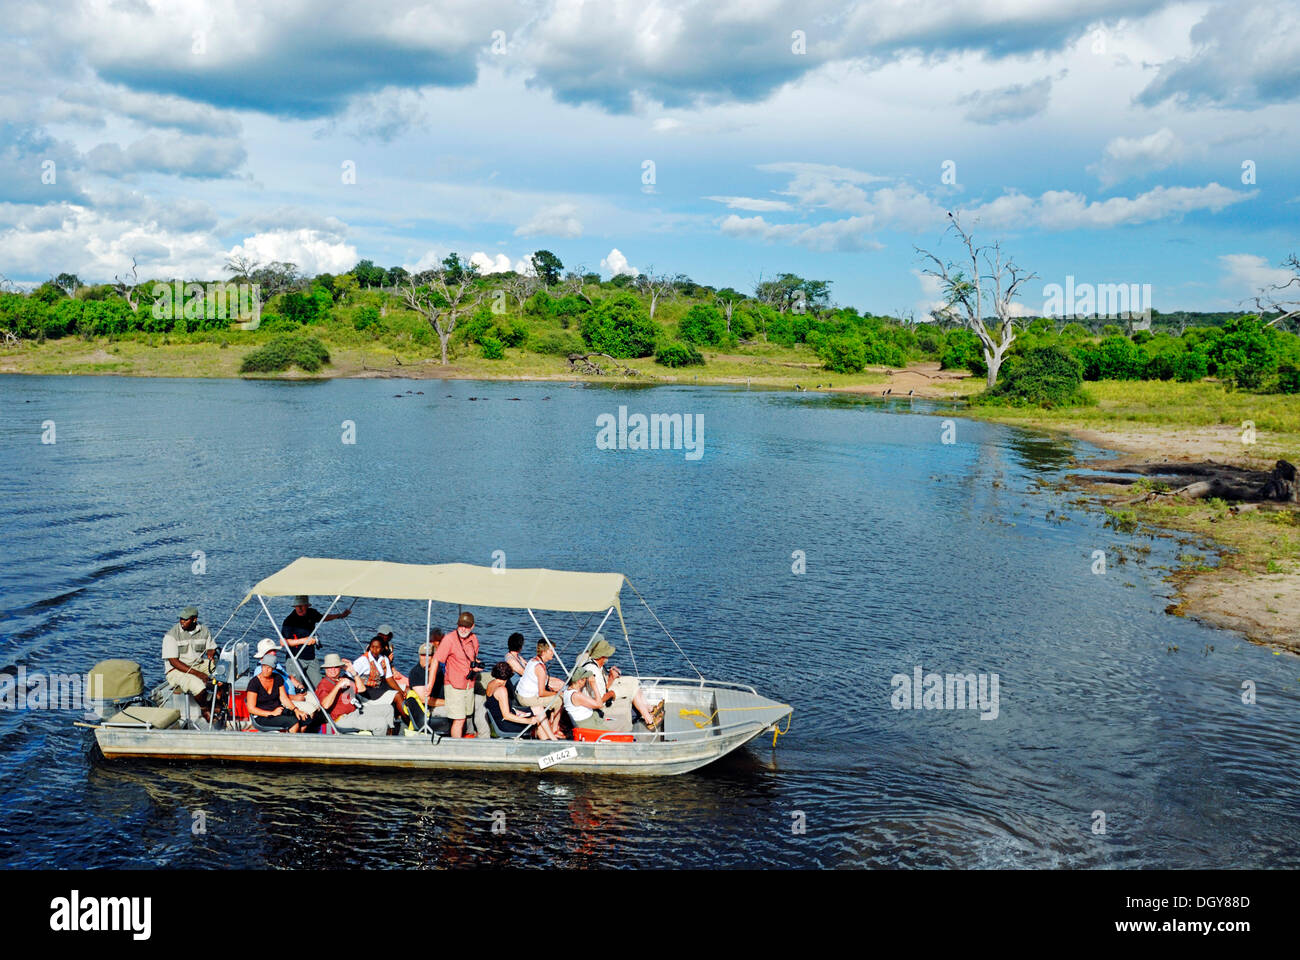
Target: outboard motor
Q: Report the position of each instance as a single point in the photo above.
(112, 684)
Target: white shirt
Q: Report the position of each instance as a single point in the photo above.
(577, 712)
(527, 686)
(361, 665)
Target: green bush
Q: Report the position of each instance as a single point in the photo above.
(679, 355)
(1190, 366)
(493, 349)
(842, 354)
(1288, 378)
(704, 325)
(620, 327)
(365, 317)
(284, 352)
(962, 351)
(1048, 376)
(558, 344)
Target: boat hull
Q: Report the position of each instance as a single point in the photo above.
(687, 744)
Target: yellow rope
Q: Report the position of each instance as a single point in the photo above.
(776, 731)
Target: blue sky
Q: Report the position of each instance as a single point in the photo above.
(1103, 139)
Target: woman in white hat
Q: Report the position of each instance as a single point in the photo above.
(268, 701)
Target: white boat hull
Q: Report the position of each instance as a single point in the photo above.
(687, 743)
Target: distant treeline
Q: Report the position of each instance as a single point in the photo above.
(671, 318)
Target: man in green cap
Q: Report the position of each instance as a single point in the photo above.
(626, 691)
(188, 652)
(299, 632)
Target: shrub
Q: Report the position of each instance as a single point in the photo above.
(1288, 378)
(962, 351)
(881, 352)
(703, 325)
(620, 327)
(1190, 366)
(284, 352)
(493, 349)
(842, 353)
(1042, 377)
(1119, 358)
(558, 344)
(679, 355)
(365, 317)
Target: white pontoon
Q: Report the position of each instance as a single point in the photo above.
(703, 719)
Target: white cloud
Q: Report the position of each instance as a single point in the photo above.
(313, 251)
(751, 203)
(557, 220)
(183, 155)
(1126, 157)
(488, 264)
(1248, 274)
(615, 263)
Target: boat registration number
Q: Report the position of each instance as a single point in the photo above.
(551, 759)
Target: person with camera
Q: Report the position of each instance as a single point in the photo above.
(458, 652)
(620, 694)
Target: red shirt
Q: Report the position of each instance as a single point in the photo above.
(457, 653)
(342, 703)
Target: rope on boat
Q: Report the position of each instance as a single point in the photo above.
(686, 713)
(661, 627)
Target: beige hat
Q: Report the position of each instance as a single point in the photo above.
(600, 647)
(264, 646)
(331, 660)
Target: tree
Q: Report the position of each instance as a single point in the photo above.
(521, 286)
(68, 282)
(1271, 299)
(396, 276)
(727, 298)
(575, 281)
(547, 266)
(657, 286)
(619, 327)
(369, 275)
(964, 289)
(441, 300)
(127, 291)
(241, 267)
(276, 277)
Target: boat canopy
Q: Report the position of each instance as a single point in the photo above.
(460, 583)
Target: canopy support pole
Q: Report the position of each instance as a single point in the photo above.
(302, 675)
(557, 657)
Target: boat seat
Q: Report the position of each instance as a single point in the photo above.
(155, 718)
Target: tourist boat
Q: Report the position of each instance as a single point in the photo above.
(703, 719)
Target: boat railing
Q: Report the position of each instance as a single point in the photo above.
(701, 683)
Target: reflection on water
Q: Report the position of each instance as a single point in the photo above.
(915, 553)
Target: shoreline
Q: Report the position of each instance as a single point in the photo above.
(1254, 589)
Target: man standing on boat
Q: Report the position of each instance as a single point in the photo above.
(188, 652)
(298, 631)
(459, 652)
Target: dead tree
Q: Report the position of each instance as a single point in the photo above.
(1272, 300)
(965, 289)
(583, 363)
(128, 291)
(657, 287)
(521, 286)
(441, 302)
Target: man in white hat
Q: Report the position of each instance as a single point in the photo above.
(336, 693)
(188, 652)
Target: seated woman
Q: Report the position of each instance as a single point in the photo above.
(515, 658)
(507, 720)
(582, 706)
(537, 690)
(268, 701)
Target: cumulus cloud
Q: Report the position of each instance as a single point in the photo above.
(557, 220)
(848, 234)
(615, 264)
(312, 250)
(486, 263)
(1126, 157)
(1019, 101)
(1248, 274)
(1246, 55)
